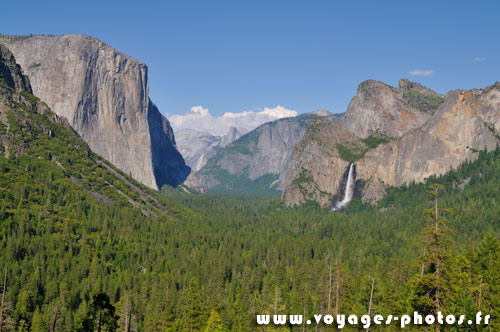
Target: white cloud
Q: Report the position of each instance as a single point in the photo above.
(479, 59)
(199, 118)
(420, 72)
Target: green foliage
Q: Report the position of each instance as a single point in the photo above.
(101, 315)
(351, 151)
(244, 144)
(485, 276)
(304, 177)
(492, 130)
(192, 313)
(305, 182)
(350, 154)
(38, 324)
(425, 102)
(371, 142)
(29, 96)
(430, 285)
(13, 127)
(241, 184)
(214, 323)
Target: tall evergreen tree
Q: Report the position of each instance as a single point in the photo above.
(101, 316)
(487, 270)
(38, 323)
(193, 317)
(214, 323)
(431, 284)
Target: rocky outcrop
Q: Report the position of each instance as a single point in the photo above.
(379, 108)
(263, 154)
(464, 123)
(11, 73)
(467, 121)
(317, 167)
(232, 135)
(194, 182)
(198, 147)
(16, 101)
(104, 96)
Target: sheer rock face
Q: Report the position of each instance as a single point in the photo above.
(464, 123)
(467, 121)
(198, 147)
(104, 96)
(274, 148)
(379, 108)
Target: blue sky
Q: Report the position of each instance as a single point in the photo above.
(230, 56)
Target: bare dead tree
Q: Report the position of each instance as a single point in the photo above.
(4, 289)
(479, 296)
(371, 302)
(337, 291)
(330, 289)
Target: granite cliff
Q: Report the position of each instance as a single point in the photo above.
(104, 96)
(466, 122)
(317, 166)
(380, 108)
(42, 154)
(395, 136)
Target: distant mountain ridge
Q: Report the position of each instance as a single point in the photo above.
(257, 161)
(198, 147)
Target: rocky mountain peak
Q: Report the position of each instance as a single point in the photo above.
(380, 109)
(322, 112)
(197, 147)
(406, 85)
(371, 84)
(233, 134)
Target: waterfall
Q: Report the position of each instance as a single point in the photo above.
(348, 193)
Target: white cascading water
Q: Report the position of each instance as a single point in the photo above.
(349, 190)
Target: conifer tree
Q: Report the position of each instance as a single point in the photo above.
(431, 284)
(6, 321)
(193, 316)
(101, 316)
(487, 269)
(214, 323)
(38, 324)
